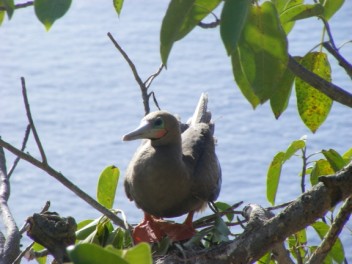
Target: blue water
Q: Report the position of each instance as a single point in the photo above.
(84, 98)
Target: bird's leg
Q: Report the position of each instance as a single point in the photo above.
(179, 232)
(148, 230)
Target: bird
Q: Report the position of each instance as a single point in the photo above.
(174, 172)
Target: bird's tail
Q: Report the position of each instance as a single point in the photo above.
(201, 115)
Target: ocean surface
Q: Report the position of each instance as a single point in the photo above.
(84, 98)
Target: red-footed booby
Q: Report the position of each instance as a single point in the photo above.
(174, 172)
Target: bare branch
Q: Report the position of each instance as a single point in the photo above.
(10, 246)
(151, 78)
(333, 91)
(31, 122)
(24, 143)
(64, 181)
(330, 238)
(143, 88)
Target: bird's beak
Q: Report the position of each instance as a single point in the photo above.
(143, 131)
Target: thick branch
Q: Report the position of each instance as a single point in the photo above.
(10, 246)
(254, 242)
(63, 180)
(333, 91)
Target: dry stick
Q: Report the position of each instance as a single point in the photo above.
(151, 78)
(331, 90)
(24, 143)
(63, 180)
(31, 122)
(142, 86)
(331, 236)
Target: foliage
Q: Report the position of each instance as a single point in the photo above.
(330, 163)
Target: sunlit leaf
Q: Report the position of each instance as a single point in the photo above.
(337, 252)
(321, 167)
(262, 50)
(331, 7)
(2, 15)
(233, 18)
(49, 11)
(301, 11)
(273, 177)
(37, 248)
(297, 243)
(335, 159)
(280, 98)
(293, 148)
(118, 6)
(347, 156)
(93, 254)
(107, 185)
(282, 6)
(173, 20)
(85, 228)
(140, 254)
(313, 105)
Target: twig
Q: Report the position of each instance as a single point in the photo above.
(10, 245)
(24, 143)
(31, 122)
(331, 90)
(152, 94)
(304, 169)
(151, 78)
(18, 6)
(64, 181)
(328, 30)
(138, 79)
(342, 61)
(331, 236)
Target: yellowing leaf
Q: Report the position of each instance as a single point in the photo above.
(313, 105)
(118, 6)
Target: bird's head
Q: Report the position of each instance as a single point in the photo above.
(157, 126)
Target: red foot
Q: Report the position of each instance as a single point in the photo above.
(153, 230)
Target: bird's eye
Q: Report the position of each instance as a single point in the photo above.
(159, 122)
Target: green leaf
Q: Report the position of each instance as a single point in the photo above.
(297, 243)
(293, 148)
(262, 50)
(118, 6)
(233, 18)
(347, 156)
(321, 167)
(93, 254)
(336, 161)
(273, 177)
(49, 11)
(313, 105)
(9, 6)
(221, 206)
(280, 98)
(107, 184)
(337, 251)
(173, 20)
(242, 80)
(331, 7)
(140, 254)
(2, 15)
(197, 13)
(85, 228)
(301, 11)
(37, 248)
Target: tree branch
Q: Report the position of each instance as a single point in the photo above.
(255, 241)
(341, 60)
(31, 122)
(18, 6)
(331, 90)
(64, 181)
(331, 236)
(10, 246)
